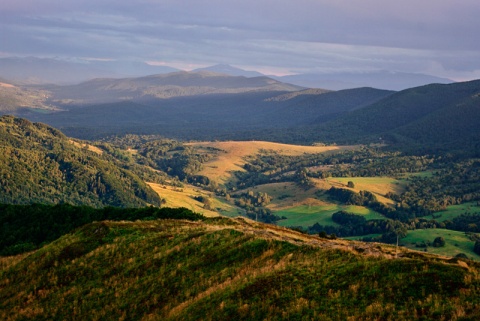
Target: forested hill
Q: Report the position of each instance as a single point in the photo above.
(436, 116)
(40, 164)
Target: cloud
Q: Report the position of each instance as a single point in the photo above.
(315, 35)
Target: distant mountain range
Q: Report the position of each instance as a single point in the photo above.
(440, 116)
(162, 86)
(32, 70)
(210, 105)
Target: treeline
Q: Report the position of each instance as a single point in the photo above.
(465, 222)
(365, 198)
(356, 225)
(26, 227)
(254, 204)
(269, 167)
(167, 155)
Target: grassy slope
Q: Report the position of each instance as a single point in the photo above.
(455, 242)
(453, 211)
(183, 197)
(230, 269)
(220, 169)
(306, 215)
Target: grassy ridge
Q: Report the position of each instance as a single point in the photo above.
(229, 269)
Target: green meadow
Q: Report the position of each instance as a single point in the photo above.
(453, 211)
(306, 215)
(455, 242)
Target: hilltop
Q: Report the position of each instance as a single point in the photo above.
(230, 269)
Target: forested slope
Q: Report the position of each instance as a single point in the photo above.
(38, 164)
(436, 116)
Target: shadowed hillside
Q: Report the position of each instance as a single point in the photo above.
(433, 116)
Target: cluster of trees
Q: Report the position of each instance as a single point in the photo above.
(167, 155)
(466, 222)
(356, 225)
(254, 204)
(455, 182)
(26, 227)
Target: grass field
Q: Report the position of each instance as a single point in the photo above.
(306, 215)
(234, 153)
(453, 211)
(377, 185)
(183, 197)
(455, 242)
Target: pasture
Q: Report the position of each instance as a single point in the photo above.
(307, 215)
(453, 211)
(455, 242)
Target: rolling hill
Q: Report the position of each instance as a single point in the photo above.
(40, 164)
(237, 116)
(220, 269)
(435, 116)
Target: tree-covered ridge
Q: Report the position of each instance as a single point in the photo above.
(432, 117)
(222, 269)
(26, 227)
(38, 164)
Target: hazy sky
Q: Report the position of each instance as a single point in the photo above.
(438, 37)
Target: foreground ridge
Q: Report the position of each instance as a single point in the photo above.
(224, 268)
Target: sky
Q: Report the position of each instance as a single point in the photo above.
(436, 37)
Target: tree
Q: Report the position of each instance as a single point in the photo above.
(350, 184)
(439, 242)
(476, 248)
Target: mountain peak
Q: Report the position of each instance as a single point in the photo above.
(230, 70)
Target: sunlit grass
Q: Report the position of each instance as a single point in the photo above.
(306, 215)
(455, 242)
(453, 211)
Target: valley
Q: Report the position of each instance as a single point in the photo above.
(217, 186)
